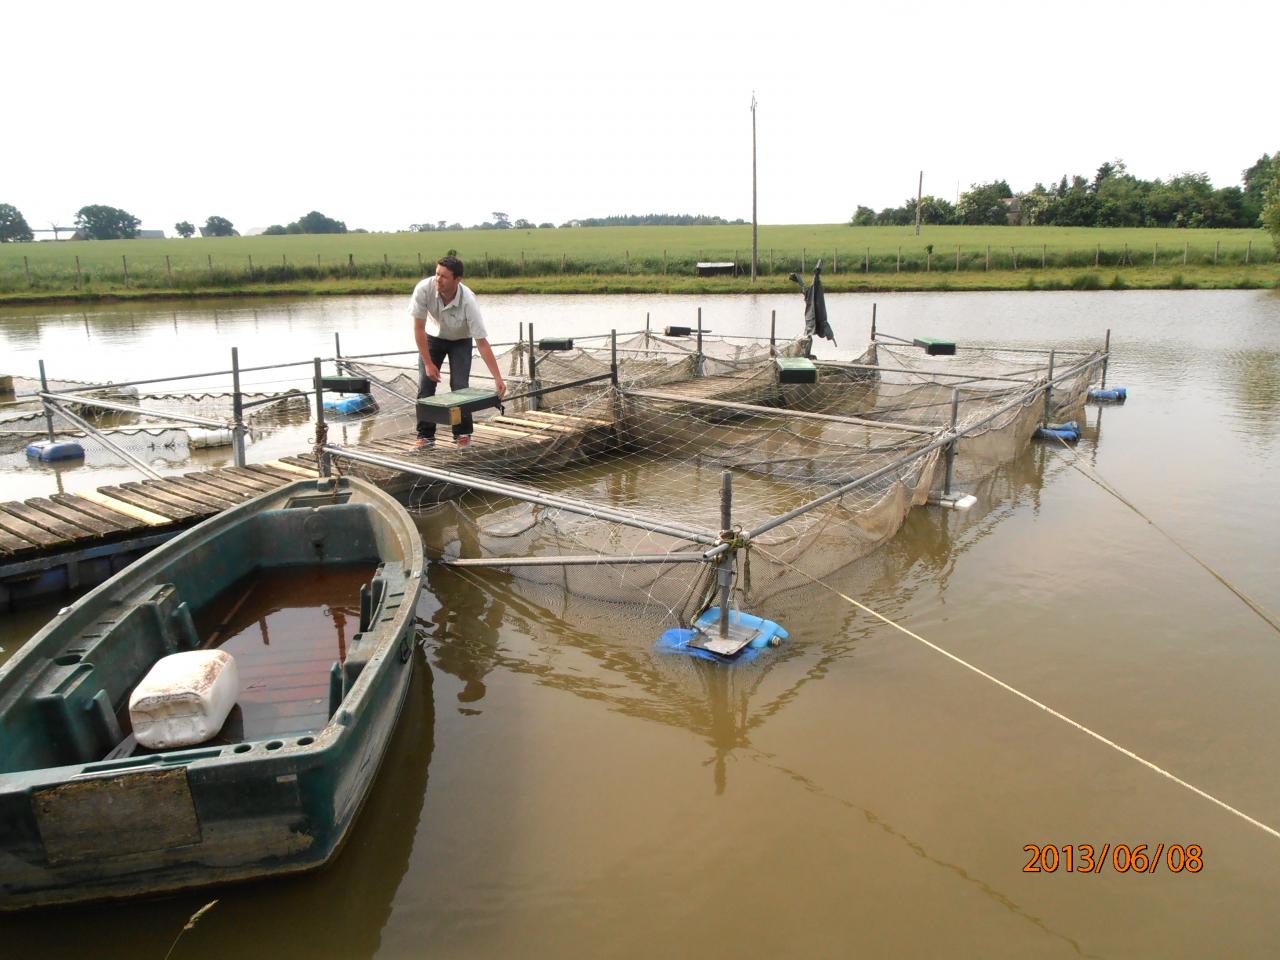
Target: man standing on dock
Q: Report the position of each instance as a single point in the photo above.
(446, 320)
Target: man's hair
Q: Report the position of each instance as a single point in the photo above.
(452, 264)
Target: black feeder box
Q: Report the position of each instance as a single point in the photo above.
(549, 344)
(796, 370)
(676, 331)
(345, 384)
(448, 408)
(936, 348)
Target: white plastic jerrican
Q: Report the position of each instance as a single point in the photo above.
(200, 437)
(184, 699)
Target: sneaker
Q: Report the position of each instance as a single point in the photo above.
(464, 440)
(424, 443)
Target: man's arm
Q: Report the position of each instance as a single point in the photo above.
(490, 361)
(420, 338)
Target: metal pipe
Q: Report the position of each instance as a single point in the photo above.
(951, 447)
(237, 409)
(337, 346)
(127, 408)
(113, 447)
(873, 323)
(613, 356)
(574, 561)
(275, 398)
(725, 570)
(773, 333)
(184, 376)
(1048, 390)
(530, 495)
(360, 371)
(1106, 356)
(322, 431)
(699, 354)
(779, 411)
(532, 394)
(968, 377)
(44, 389)
(558, 386)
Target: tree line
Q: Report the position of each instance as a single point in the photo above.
(101, 222)
(1113, 197)
(502, 221)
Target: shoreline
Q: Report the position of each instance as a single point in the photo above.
(1233, 277)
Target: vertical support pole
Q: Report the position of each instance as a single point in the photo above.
(1048, 390)
(1106, 357)
(988, 266)
(77, 269)
(646, 321)
(520, 346)
(322, 430)
(1186, 247)
(337, 346)
(168, 268)
(613, 356)
(1217, 246)
(955, 440)
(698, 360)
(773, 333)
(27, 267)
(125, 261)
(873, 323)
(1248, 252)
(237, 409)
(726, 559)
(533, 368)
(48, 415)
(898, 268)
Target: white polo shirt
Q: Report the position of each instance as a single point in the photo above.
(455, 321)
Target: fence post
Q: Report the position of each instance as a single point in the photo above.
(1126, 256)
(928, 261)
(1217, 244)
(664, 261)
(866, 263)
(322, 431)
(284, 261)
(1185, 247)
(77, 269)
(835, 262)
(988, 267)
(803, 257)
(1248, 252)
(1015, 257)
(626, 260)
(957, 258)
(124, 260)
(771, 259)
(250, 266)
(1097, 256)
(419, 262)
(898, 269)
(237, 409)
(522, 261)
(1154, 254)
(318, 261)
(27, 267)
(486, 263)
(351, 263)
(1043, 248)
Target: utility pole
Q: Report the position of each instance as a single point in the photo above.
(755, 224)
(919, 197)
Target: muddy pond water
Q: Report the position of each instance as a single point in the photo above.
(557, 789)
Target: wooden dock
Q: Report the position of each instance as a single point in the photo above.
(66, 541)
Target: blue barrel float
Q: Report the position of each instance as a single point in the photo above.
(685, 640)
(350, 406)
(1110, 395)
(1060, 431)
(48, 450)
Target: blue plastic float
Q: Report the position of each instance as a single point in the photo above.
(684, 640)
(1060, 431)
(348, 406)
(1112, 394)
(55, 450)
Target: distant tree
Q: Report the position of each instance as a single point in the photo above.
(984, 203)
(1257, 180)
(275, 230)
(1271, 203)
(546, 226)
(935, 210)
(13, 226)
(316, 222)
(219, 227)
(523, 224)
(862, 217)
(99, 222)
(1106, 172)
(184, 229)
(501, 221)
(454, 226)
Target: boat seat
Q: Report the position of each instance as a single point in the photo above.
(379, 600)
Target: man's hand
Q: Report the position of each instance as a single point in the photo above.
(501, 387)
(433, 372)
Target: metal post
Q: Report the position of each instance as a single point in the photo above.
(1106, 356)
(955, 441)
(44, 403)
(1048, 390)
(533, 368)
(698, 356)
(725, 572)
(613, 356)
(237, 409)
(322, 429)
(873, 323)
(337, 346)
(773, 332)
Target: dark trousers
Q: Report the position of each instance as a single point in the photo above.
(458, 353)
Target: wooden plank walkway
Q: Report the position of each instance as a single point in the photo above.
(46, 527)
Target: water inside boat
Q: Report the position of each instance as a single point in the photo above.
(285, 626)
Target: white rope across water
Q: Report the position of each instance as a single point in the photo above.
(1035, 703)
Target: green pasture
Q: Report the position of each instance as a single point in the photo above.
(583, 259)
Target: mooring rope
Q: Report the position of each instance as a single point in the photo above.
(1032, 700)
(1092, 475)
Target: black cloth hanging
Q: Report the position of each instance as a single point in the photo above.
(815, 306)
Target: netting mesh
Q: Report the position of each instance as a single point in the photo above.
(649, 454)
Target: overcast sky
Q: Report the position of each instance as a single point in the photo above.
(383, 114)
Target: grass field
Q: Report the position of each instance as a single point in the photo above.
(592, 259)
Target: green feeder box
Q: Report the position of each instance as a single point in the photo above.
(345, 384)
(796, 370)
(448, 408)
(555, 343)
(936, 348)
